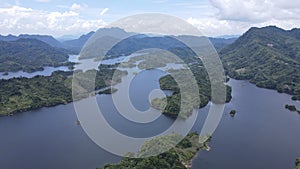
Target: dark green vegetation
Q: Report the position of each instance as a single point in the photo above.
(173, 46)
(268, 57)
(232, 113)
(189, 100)
(220, 43)
(108, 91)
(75, 45)
(297, 163)
(44, 38)
(179, 157)
(23, 94)
(292, 108)
(173, 107)
(30, 55)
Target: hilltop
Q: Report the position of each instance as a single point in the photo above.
(268, 57)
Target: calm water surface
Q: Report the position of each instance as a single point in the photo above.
(261, 135)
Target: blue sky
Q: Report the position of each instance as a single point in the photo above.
(212, 17)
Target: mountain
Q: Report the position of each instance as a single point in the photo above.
(44, 38)
(29, 55)
(125, 43)
(269, 57)
(228, 37)
(76, 44)
(67, 38)
(109, 34)
(219, 43)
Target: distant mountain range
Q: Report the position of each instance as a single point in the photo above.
(29, 55)
(75, 45)
(269, 57)
(26, 52)
(44, 38)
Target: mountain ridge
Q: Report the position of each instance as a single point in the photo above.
(29, 55)
(44, 38)
(268, 57)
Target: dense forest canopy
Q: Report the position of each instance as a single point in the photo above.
(30, 55)
(269, 57)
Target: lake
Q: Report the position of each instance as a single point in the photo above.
(46, 72)
(261, 135)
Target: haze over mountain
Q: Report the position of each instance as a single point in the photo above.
(134, 42)
(44, 38)
(76, 44)
(269, 57)
(29, 55)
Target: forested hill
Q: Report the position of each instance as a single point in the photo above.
(75, 45)
(44, 38)
(29, 55)
(269, 57)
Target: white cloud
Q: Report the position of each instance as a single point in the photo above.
(17, 20)
(237, 16)
(257, 10)
(216, 27)
(159, 1)
(78, 7)
(104, 11)
(75, 7)
(42, 0)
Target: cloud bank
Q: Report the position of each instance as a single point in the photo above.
(237, 16)
(213, 18)
(18, 20)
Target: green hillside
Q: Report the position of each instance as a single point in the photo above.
(268, 57)
(29, 55)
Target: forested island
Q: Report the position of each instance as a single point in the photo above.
(23, 94)
(297, 163)
(292, 108)
(30, 55)
(232, 113)
(179, 157)
(173, 107)
(108, 91)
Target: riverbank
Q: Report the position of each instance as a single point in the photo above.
(24, 94)
(179, 157)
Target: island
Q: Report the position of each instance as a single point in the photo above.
(4, 73)
(24, 94)
(173, 108)
(30, 55)
(232, 113)
(292, 108)
(108, 91)
(179, 157)
(297, 163)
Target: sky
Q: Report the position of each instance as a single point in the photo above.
(211, 17)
